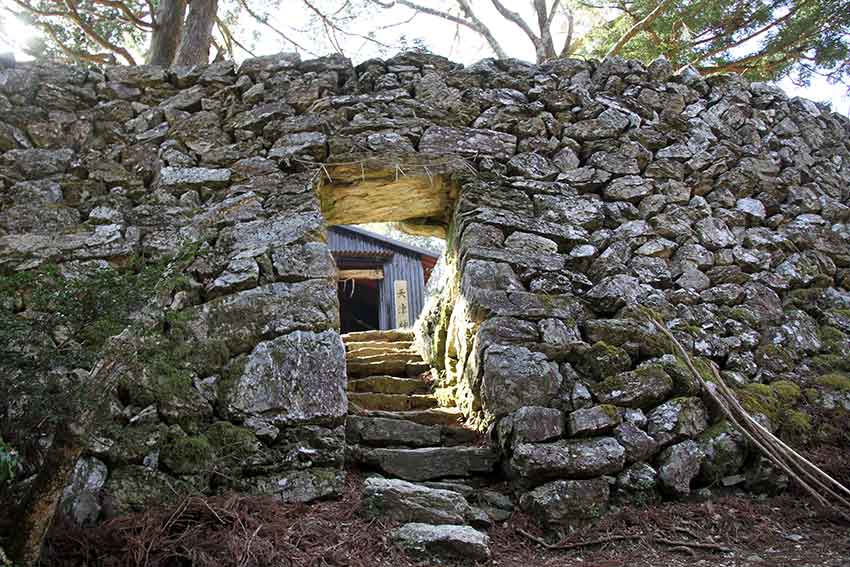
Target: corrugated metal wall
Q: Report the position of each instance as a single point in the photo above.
(401, 265)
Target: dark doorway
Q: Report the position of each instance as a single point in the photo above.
(359, 301)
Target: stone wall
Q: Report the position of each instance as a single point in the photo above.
(582, 191)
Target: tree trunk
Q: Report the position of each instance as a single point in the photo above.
(195, 43)
(166, 36)
(36, 514)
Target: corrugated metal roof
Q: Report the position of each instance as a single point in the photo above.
(377, 238)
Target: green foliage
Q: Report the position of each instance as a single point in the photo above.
(762, 39)
(8, 463)
(787, 391)
(54, 324)
(834, 381)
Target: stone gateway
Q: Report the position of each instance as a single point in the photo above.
(573, 195)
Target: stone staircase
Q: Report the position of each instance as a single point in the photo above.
(433, 471)
(395, 424)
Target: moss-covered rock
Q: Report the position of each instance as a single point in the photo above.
(684, 382)
(234, 447)
(775, 358)
(725, 450)
(639, 388)
(834, 340)
(187, 455)
(128, 445)
(788, 392)
(760, 399)
(131, 488)
(834, 381)
(797, 427)
(602, 360)
(828, 363)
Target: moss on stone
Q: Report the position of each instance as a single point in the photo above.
(760, 398)
(796, 426)
(742, 314)
(611, 411)
(602, 360)
(828, 363)
(834, 341)
(834, 381)
(812, 395)
(774, 358)
(232, 444)
(182, 454)
(787, 391)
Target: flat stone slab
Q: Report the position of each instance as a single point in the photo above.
(403, 501)
(435, 416)
(385, 336)
(392, 402)
(389, 385)
(444, 540)
(404, 366)
(429, 463)
(384, 432)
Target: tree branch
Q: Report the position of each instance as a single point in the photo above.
(128, 13)
(516, 19)
(74, 15)
(96, 58)
(755, 34)
(265, 22)
(328, 22)
(637, 28)
(545, 31)
(229, 39)
(471, 21)
(568, 42)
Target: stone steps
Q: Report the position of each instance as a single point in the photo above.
(396, 428)
(374, 352)
(402, 367)
(435, 416)
(389, 385)
(380, 336)
(392, 402)
(385, 345)
(427, 463)
(388, 432)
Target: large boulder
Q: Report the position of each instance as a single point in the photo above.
(639, 388)
(567, 502)
(403, 501)
(678, 466)
(447, 541)
(586, 458)
(515, 377)
(296, 378)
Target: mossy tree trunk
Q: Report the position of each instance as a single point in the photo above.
(36, 514)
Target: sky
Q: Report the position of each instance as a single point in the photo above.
(440, 36)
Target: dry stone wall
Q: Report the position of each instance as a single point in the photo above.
(598, 188)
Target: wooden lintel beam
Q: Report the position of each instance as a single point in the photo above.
(361, 274)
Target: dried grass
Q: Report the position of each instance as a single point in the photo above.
(231, 531)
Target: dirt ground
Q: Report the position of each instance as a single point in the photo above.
(736, 530)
